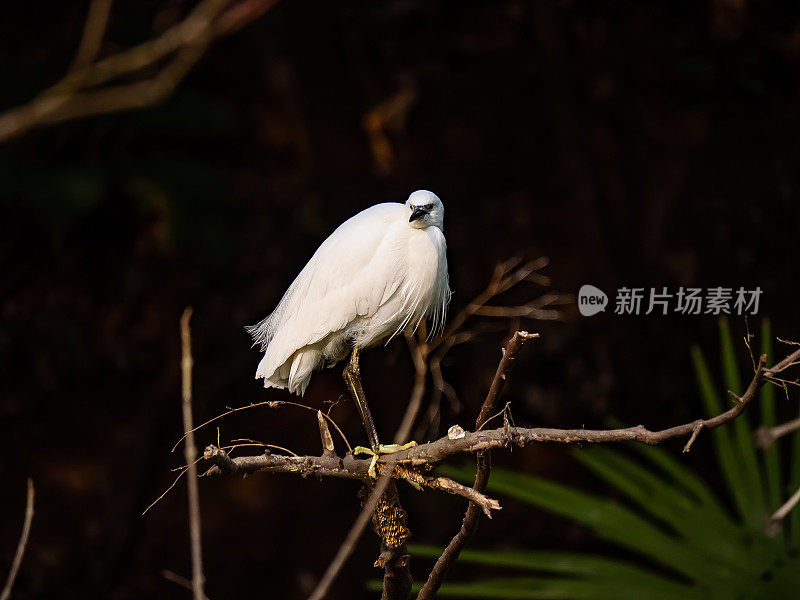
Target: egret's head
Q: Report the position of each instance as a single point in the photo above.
(426, 210)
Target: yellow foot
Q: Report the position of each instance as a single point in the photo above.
(381, 449)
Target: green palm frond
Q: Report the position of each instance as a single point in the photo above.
(687, 543)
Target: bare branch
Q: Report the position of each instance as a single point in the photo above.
(179, 579)
(389, 114)
(695, 432)
(437, 451)
(432, 453)
(775, 522)
(486, 504)
(330, 465)
(501, 374)
(93, 31)
(766, 437)
(271, 404)
(419, 353)
(484, 465)
(534, 310)
(506, 275)
(21, 545)
(190, 453)
(77, 95)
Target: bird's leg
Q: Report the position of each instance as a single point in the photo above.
(352, 377)
(383, 449)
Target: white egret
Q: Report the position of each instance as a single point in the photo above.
(378, 272)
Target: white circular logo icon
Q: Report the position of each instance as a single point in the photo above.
(591, 300)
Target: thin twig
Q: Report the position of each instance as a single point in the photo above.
(190, 453)
(747, 337)
(21, 545)
(179, 579)
(271, 404)
(419, 353)
(93, 31)
(765, 437)
(326, 415)
(788, 506)
(262, 444)
(184, 469)
(775, 522)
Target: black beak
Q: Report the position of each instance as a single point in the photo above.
(417, 213)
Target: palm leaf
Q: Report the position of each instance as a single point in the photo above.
(556, 589)
(723, 443)
(708, 530)
(682, 476)
(568, 563)
(617, 524)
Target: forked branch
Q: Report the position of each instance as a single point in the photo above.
(87, 89)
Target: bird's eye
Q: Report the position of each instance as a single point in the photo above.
(427, 207)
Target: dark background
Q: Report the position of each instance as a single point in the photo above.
(634, 143)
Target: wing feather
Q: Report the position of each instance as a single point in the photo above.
(353, 273)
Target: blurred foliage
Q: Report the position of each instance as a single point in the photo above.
(689, 544)
(187, 203)
(55, 197)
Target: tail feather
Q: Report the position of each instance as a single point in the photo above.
(295, 373)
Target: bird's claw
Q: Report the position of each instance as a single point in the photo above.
(377, 452)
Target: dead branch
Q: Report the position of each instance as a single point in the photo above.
(506, 275)
(389, 114)
(179, 580)
(21, 545)
(93, 31)
(775, 521)
(84, 91)
(271, 404)
(347, 467)
(483, 467)
(190, 453)
(433, 453)
(765, 437)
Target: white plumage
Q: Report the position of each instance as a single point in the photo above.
(381, 270)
